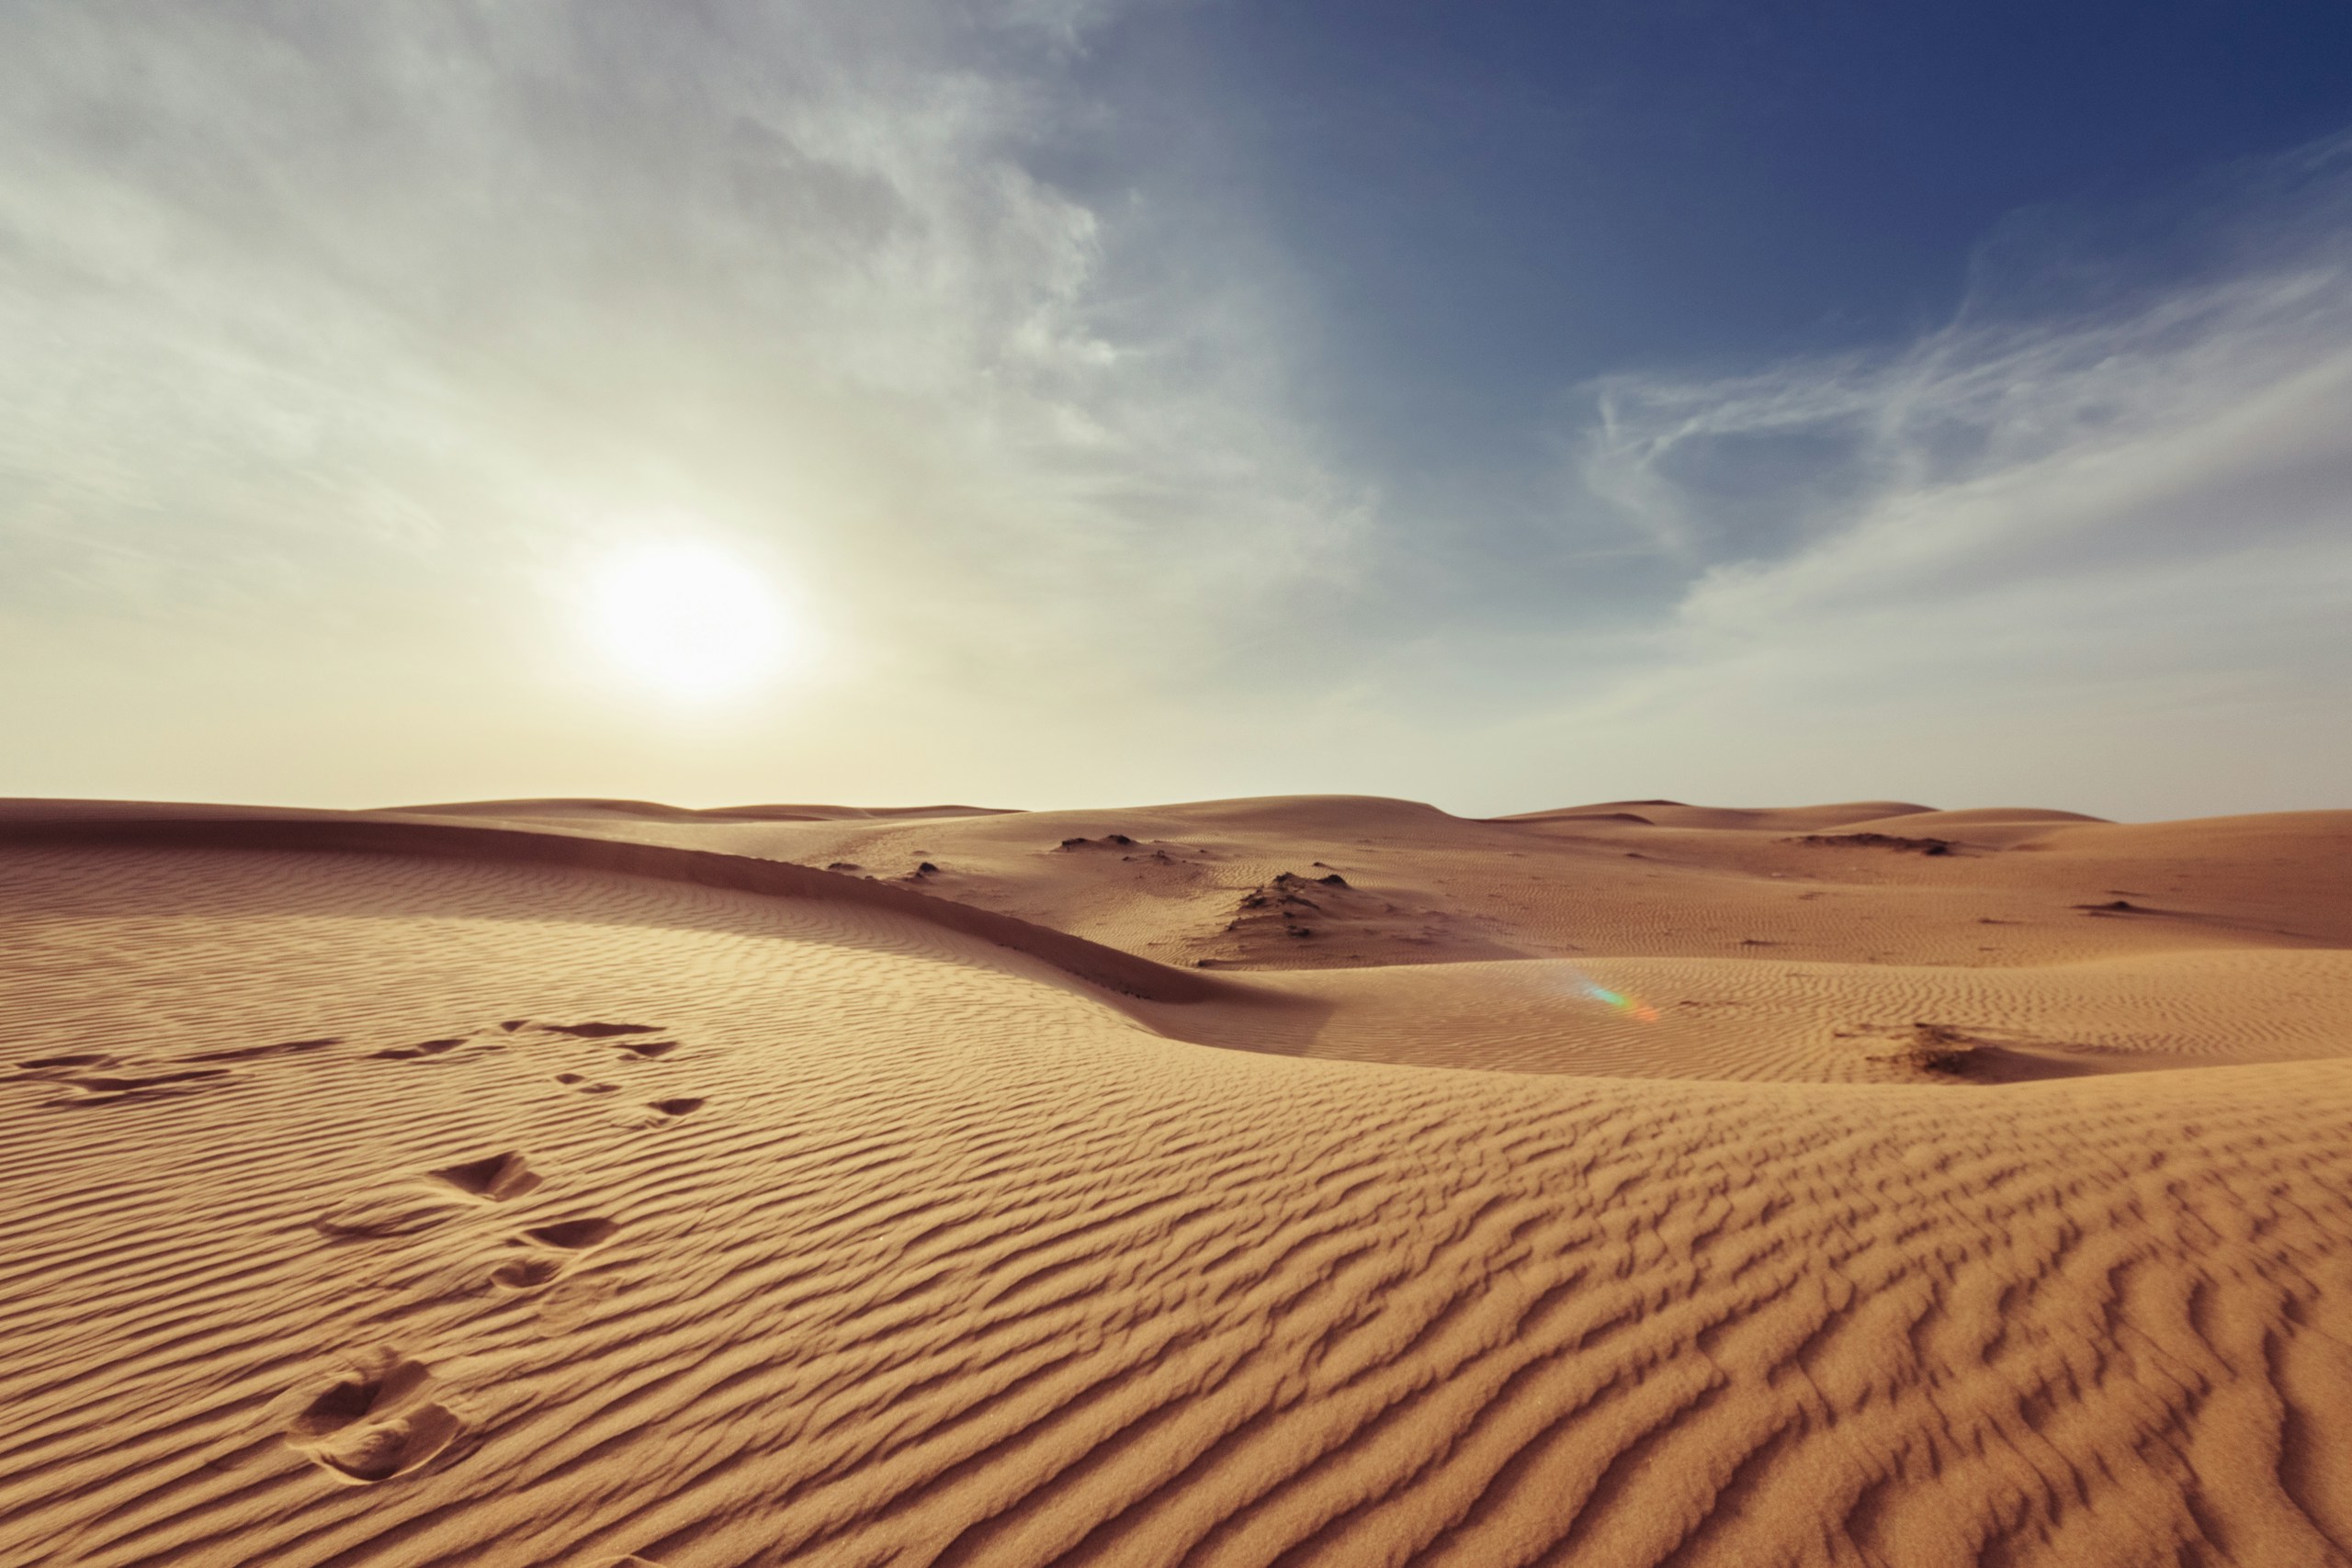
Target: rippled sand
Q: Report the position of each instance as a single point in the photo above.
(572, 1182)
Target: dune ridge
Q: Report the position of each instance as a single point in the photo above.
(255, 828)
(592, 807)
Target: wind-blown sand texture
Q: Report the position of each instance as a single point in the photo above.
(1260, 1182)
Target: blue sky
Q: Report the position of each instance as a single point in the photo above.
(1492, 205)
(1495, 199)
(1502, 405)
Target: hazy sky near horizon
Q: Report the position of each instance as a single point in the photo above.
(1065, 402)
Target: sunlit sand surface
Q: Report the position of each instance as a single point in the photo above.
(1266, 1182)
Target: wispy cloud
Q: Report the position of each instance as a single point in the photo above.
(2133, 515)
(422, 295)
(340, 337)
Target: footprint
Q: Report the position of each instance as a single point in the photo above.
(649, 1049)
(530, 1273)
(682, 1105)
(375, 1422)
(414, 1206)
(118, 1086)
(581, 1082)
(496, 1178)
(581, 1031)
(374, 1385)
(574, 1235)
(423, 1048)
(154, 1085)
(526, 1273)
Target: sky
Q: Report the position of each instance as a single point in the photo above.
(1080, 403)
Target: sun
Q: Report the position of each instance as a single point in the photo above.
(689, 618)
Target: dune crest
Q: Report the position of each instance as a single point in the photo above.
(356, 832)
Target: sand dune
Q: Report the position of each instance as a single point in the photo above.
(228, 827)
(594, 810)
(573, 1183)
(2014, 887)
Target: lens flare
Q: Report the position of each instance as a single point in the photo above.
(1633, 1007)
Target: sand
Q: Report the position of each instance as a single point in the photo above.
(583, 1182)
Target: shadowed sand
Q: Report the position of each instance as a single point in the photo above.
(1306, 1180)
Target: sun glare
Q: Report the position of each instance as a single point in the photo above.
(690, 619)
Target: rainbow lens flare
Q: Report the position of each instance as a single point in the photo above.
(1618, 1000)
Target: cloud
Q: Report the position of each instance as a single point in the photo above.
(325, 311)
(345, 340)
(2124, 526)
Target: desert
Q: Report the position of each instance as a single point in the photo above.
(1175, 783)
(1307, 1180)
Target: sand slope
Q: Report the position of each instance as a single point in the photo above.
(395, 1198)
(1845, 883)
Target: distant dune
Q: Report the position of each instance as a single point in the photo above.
(1314, 1180)
(568, 809)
